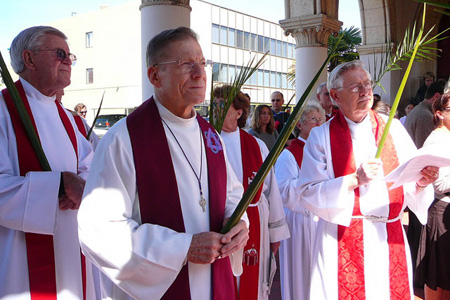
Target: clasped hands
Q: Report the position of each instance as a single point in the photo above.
(73, 191)
(206, 247)
(369, 170)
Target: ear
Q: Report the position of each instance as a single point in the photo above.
(239, 112)
(153, 76)
(28, 59)
(439, 115)
(334, 96)
(299, 126)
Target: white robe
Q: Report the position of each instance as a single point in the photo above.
(144, 259)
(273, 226)
(30, 203)
(328, 197)
(295, 252)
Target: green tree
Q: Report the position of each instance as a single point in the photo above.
(346, 49)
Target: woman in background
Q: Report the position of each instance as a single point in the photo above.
(263, 126)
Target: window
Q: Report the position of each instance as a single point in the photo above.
(279, 75)
(273, 80)
(215, 72)
(254, 79)
(223, 73)
(284, 83)
(254, 42)
(267, 78)
(260, 43)
(231, 37)
(260, 77)
(89, 75)
(289, 51)
(273, 47)
(266, 44)
(285, 49)
(231, 73)
(223, 35)
(239, 39)
(279, 48)
(247, 42)
(293, 51)
(215, 33)
(89, 39)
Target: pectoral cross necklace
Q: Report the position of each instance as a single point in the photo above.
(202, 202)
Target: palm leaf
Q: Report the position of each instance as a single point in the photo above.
(96, 116)
(218, 112)
(274, 152)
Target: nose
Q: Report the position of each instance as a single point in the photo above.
(198, 70)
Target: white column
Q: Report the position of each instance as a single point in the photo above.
(311, 34)
(156, 16)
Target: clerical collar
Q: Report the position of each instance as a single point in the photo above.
(34, 93)
(356, 123)
(301, 139)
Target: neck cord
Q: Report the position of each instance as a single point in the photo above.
(202, 201)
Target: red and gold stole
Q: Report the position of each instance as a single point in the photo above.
(251, 162)
(351, 281)
(159, 200)
(296, 148)
(40, 251)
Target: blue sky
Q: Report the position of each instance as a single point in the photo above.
(16, 15)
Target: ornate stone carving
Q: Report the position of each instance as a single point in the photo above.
(311, 30)
(184, 3)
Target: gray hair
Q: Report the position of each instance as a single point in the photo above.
(29, 39)
(312, 105)
(157, 45)
(320, 87)
(335, 78)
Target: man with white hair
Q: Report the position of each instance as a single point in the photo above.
(360, 249)
(40, 256)
(323, 96)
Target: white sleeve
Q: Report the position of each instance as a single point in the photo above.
(110, 230)
(287, 172)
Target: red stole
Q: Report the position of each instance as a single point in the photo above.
(79, 122)
(158, 193)
(334, 112)
(351, 281)
(296, 148)
(40, 251)
(251, 162)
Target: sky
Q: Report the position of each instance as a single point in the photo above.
(16, 15)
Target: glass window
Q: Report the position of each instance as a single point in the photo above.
(247, 42)
(215, 33)
(239, 39)
(293, 51)
(267, 78)
(284, 84)
(289, 48)
(223, 35)
(273, 80)
(285, 49)
(254, 42)
(254, 79)
(89, 75)
(279, 48)
(279, 75)
(215, 72)
(266, 44)
(231, 37)
(231, 73)
(260, 43)
(89, 39)
(273, 47)
(260, 77)
(223, 73)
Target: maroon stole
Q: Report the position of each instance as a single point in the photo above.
(251, 162)
(79, 122)
(296, 148)
(334, 112)
(351, 281)
(40, 251)
(159, 200)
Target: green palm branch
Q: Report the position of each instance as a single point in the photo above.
(218, 111)
(442, 5)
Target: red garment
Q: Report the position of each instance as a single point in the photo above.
(156, 180)
(351, 281)
(296, 148)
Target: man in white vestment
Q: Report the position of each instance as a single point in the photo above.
(40, 256)
(161, 188)
(360, 249)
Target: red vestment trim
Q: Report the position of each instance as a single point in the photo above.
(40, 250)
(159, 200)
(251, 162)
(351, 281)
(79, 122)
(296, 148)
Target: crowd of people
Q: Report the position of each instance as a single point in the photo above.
(142, 218)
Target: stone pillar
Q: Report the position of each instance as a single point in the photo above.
(311, 34)
(156, 16)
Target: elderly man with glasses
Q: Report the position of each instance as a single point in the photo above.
(40, 253)
(360, 249)
(163, 175)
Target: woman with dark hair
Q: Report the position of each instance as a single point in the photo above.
(263, 126)
(433, 258)
(267, 223)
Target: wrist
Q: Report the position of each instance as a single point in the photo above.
(420, 186)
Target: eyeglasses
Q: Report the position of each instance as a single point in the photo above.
(186, 64)
(83, 112)
(357, 88)
(276, 100)
(315, 120)
(61, 55)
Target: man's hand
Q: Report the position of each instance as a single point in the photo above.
(73, 188)
(205, 248)
(368, 171)
(235, 239)
(429, 175)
